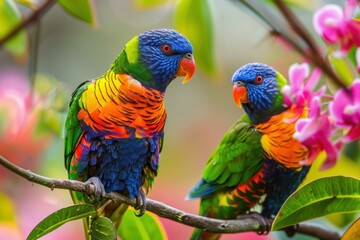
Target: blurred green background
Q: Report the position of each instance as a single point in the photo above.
(199, 113)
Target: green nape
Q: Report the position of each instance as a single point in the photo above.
(128, 62)
(278, 105)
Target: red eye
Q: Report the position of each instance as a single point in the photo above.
(258, 79)
(166, 48)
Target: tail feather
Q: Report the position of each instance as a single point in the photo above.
(200, 234)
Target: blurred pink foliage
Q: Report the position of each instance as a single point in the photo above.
(24, 146)
(18, 140)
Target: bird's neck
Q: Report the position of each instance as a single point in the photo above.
(125, 64)
(259, 116)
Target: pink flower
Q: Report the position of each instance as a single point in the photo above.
(345, 110)
(315, 132)
(336, 26)
(300, 90)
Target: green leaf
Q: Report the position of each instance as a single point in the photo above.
(27, 3)
(146, 227)
(353, 232)
(297, 3)
(149, 3)
(81, 9)
(102, 228)
(352, 56)
(10, 17)
(58, 218)
(193, 19)
(342, 69)
(319, 198)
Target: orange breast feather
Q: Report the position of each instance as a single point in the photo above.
(117, 102)
(278, 142)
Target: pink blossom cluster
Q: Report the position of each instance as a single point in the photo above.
(337, 26)
(326, 128)
(333, 120)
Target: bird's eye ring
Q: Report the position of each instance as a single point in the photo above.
(258, 79)
(166, 49)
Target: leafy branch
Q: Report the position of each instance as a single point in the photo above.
(209, 224)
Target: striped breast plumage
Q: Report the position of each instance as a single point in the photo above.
(117, 105)
(278, 141)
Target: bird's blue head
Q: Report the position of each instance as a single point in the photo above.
(256, 87)
(156, 57)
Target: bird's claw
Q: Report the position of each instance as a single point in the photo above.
(140, 203)
(99, 191)
(265, 223)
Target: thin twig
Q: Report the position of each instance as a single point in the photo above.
(37, 13)
(209, 224)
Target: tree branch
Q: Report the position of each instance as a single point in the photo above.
(246, 224)
(37, 13)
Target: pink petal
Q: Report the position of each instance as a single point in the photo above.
(331, 35)
(313, 79)
(327, 17)
(351, 31)
(331, 154)
(301, 124)
(353, 134)
(349, 8)
(336, 107)
(307, 130)
(355, 91)
(297, 74)
(315, 107)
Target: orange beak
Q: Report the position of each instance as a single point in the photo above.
(240, 94)
(186, 67)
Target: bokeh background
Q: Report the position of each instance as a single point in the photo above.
(199, 113)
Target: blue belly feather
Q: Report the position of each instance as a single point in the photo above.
(119, 163)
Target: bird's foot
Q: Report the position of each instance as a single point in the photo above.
(140, 203)
(265, 223)
(291, 230)
(99, 190)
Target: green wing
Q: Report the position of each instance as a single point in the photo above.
(73, 130)
(236, 159)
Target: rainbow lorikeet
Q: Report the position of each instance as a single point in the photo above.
(115, 124)
(258, 161)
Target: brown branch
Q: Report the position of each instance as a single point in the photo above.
(315, 55)
(36, 14)
(209, 224)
